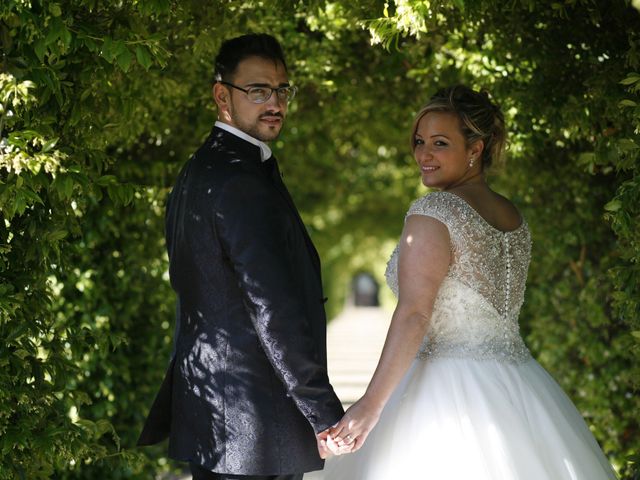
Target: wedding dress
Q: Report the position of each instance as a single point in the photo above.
(474, 404)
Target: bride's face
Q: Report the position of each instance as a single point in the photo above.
(440, 150)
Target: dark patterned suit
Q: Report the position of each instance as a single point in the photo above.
(247, 385)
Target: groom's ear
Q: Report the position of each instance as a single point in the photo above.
(222, 97)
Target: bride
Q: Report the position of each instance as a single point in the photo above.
(472, 403)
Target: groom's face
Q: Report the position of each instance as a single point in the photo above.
(260, 120)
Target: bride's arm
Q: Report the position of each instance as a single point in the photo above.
(422, 265)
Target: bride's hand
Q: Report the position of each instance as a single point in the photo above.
(356, 424)
(327, 446)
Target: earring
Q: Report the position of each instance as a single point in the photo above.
(471, 162)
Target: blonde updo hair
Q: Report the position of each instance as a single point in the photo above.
(480, 119)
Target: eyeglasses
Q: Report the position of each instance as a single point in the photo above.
(263, 94)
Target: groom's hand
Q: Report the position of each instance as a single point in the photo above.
(321, 439)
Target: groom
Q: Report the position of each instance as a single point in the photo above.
(246, 395)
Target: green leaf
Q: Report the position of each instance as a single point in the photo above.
(631, 79)
(16, 333)
(31, 195)
(40, 48)
(613, 206)
(79, 178)
(627, 103)
(87, 425)
(81, 398)
(106, 180)
(65, 35)
(51, 80)
(66, 187)
(108, 50)
(124, 59)
(102, 427)
(121, 194)
(54, 31)
(48, 146)
(85, 94)
(21, 353)
(627, 145)
(90, 43)
(114, 194)
(118, 47)
(128, 194)
(143, 57)
(56, 235)
(55, 10)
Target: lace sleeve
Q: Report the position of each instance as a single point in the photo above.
(436, 205)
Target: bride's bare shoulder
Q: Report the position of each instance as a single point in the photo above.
(495, 208)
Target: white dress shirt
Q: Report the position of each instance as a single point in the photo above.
(265, 151)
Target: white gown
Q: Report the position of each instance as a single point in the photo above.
(474, 404)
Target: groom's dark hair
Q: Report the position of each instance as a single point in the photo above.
(234, 50)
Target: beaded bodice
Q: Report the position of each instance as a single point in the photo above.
(476, 310)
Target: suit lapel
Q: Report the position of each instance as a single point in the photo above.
(250, 154)
(280, 186)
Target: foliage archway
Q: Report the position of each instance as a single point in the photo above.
(102, 102)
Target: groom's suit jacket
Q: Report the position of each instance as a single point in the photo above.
(247, 384)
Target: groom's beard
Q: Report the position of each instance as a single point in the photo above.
(257, 128)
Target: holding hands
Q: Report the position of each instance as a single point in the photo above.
(350, 433)
(420, 273)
